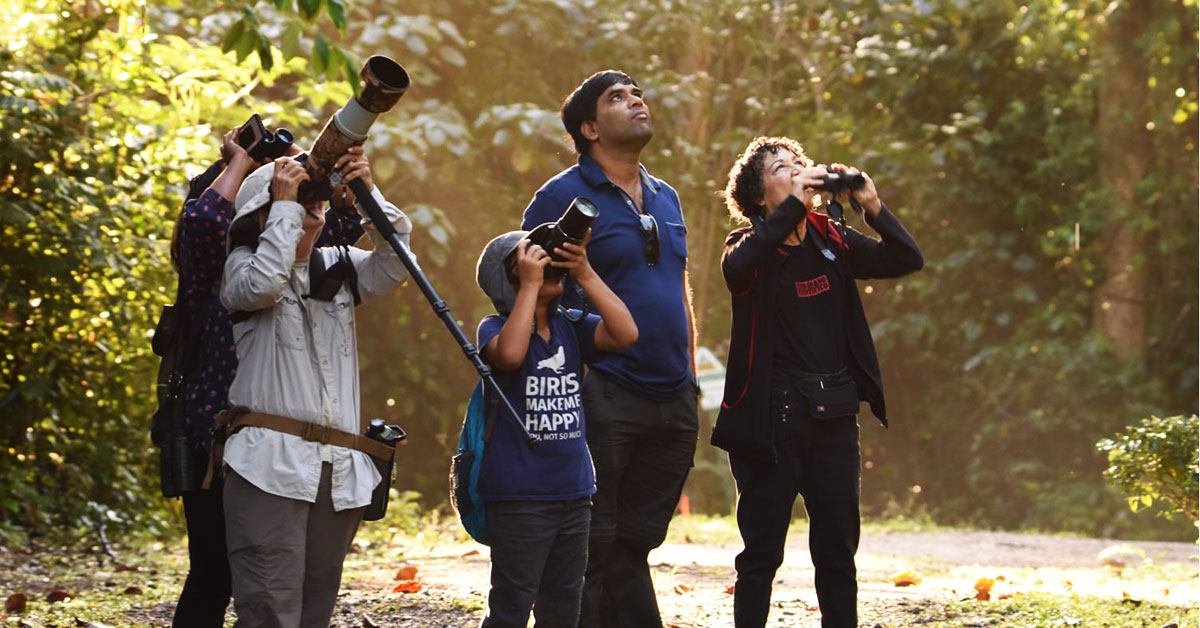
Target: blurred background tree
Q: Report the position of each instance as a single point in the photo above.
(1043, 153)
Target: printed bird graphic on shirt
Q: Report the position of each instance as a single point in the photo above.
(555, 362)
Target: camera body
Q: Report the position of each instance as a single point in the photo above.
(571, 227)
(837, 182)
(260, 142)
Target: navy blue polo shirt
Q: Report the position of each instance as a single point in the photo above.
(658, 366)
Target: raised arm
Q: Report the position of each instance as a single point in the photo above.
(254, 278)
(380, 270)
(205, 220)
(896, 252)
(617, 329)
(506, 350)
(746, 250)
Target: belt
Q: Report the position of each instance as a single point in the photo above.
(231, 421)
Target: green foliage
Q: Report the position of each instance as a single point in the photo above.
(977, 120)
(1157, 460)
(103, 111)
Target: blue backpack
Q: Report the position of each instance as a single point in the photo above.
(467, 463)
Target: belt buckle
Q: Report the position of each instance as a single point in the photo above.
(316, 432)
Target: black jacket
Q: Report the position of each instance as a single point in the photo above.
(744, 425)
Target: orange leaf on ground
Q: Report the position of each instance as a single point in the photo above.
(729, 590)
(984, 585)
(473, 552)
(407, 571)
(983, 596)
(408, 586)
(906, 578)
(681, 588)
(16, 603)
(58, 595)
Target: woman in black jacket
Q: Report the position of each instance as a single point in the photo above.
(800, 360)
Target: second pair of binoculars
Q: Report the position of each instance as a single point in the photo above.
(262, 143)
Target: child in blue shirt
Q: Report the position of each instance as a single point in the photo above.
(539, 499)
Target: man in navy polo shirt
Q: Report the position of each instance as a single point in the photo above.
(641, 403)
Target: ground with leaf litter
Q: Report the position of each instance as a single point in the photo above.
(907, 578)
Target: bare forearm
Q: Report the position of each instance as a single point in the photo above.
(227, 183)
(617, 329)
(508, 349)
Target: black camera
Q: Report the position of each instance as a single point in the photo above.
(260, 142)
(837, 182)
(571, 227)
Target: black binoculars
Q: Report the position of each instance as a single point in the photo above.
(837, 182)
(260, 142)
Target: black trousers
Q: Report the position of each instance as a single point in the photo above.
(819, 460)
(642, 450)
(539, 550)
(208, 587)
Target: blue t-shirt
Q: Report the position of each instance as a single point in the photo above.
(546, 390)
(658, 366)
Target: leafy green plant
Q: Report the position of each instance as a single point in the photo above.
(1157, 460)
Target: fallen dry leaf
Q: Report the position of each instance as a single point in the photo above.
(984, 585)
(407, 571)
(16, 603)
(681, 588)
(729, 589)
(58, 595)
(983, 596)
(121, 568)
(132, 590)
(473, 552)
(906, 578)
(408, 586)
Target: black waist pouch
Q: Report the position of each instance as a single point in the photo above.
(827, 395)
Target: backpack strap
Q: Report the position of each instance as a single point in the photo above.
(493, 405)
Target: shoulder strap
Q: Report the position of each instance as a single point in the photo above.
(492, 404)
(351, 273)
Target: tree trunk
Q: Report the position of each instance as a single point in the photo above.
(1125, 153)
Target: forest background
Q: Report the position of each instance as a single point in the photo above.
(1042, 152)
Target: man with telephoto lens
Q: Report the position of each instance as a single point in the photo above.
(800, 360)
(198, 254)
(298, 476)
(641, 402)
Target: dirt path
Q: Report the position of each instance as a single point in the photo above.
(692, 579)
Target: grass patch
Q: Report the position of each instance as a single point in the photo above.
(1044, 609)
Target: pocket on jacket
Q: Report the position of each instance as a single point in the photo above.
(289, 324)
(341, 316)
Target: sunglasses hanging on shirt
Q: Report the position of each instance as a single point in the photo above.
(653, 247)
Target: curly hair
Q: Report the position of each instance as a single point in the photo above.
(744, 190)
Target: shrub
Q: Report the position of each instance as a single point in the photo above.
(1157, 459)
